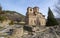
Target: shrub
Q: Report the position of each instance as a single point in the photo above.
(11, 23)
(2, 18)
(27, 28)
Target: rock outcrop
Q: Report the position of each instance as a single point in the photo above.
(51, 32)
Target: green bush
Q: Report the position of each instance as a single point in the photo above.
(2, 18)
(11, 23)
(27, 28)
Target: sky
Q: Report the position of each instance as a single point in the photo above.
(21, 5)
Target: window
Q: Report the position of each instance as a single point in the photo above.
(30, 9)
(42, 22)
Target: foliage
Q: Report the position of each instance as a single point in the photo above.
(2, 18)
(58, 19)
(11, 23)
(27, 28)
(51, 21)
(13, 15)
(1, 11)
(1, 27)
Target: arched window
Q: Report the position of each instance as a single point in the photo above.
(30, 9)
(34, 21)
(31, 21)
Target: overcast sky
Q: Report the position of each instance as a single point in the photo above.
(21, 5)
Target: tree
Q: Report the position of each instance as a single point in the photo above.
(0, 9)
(51, 21)
(57, 8)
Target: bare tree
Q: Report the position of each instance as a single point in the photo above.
(57, 7)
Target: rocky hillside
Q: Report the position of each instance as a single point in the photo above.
(12, 15)
(51, 32)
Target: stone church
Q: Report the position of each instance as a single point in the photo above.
(34, 17)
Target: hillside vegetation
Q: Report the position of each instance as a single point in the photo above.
(12, 15)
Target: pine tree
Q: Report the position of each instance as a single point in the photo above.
(51, 21)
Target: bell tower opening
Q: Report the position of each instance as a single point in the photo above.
(36, 9)
(30, 10)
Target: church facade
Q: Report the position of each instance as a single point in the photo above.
(34, 17)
